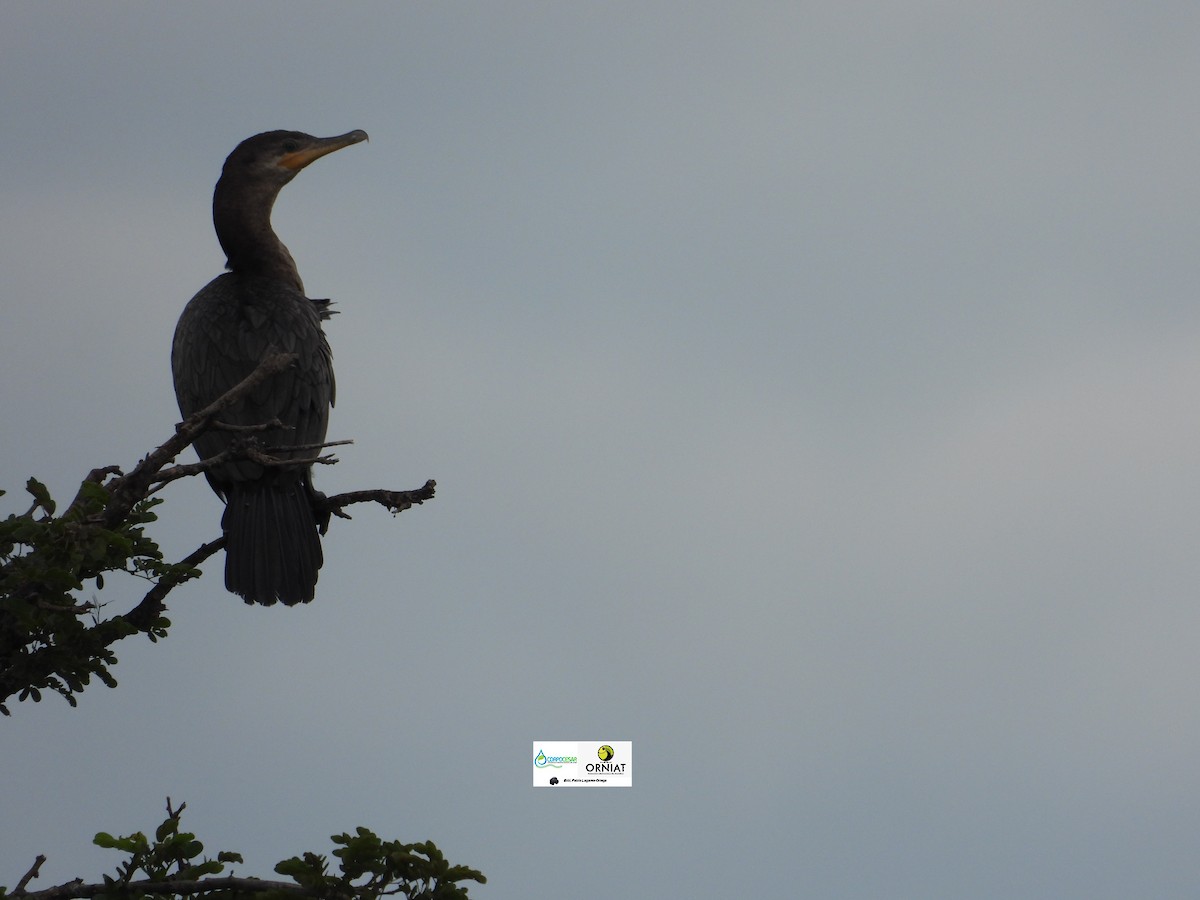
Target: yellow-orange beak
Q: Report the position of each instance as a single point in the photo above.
(319, 147)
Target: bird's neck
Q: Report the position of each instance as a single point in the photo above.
(243, 223)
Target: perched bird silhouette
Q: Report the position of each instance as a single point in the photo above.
(272, 528)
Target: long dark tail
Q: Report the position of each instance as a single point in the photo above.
(272, 548)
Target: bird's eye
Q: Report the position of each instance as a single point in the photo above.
(290, 146)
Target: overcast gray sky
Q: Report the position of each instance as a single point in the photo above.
(811, 393)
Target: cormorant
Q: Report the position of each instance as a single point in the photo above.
(272, 544)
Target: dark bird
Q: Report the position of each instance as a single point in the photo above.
(271, 524)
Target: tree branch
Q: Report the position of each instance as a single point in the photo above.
(395, 501)
(73, 890)
(244, 449)
(147, 612)
(391, 868)
(30, 875)
(58, 650)
(127, 490)
(247, 429)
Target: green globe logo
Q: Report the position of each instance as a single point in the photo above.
(605, 753)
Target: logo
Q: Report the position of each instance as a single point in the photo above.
(555, 762)
(582, 763)
(605, 752)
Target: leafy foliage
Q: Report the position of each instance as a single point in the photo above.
(171, 857)
(372, 868)
(172, 867)
(49, 640)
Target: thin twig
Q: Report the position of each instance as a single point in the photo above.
(144, 615)
(78, 609)
(245, 450)
(265, 459)
(282, 448)
(249, 429)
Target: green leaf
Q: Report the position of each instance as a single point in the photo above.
(166, 829)
(134, 843)
(40, 495)
(208, 867)
(293, 868)
(104, 839)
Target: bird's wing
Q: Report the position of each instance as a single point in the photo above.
(224, 333)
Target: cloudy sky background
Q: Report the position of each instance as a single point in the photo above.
(811, 394)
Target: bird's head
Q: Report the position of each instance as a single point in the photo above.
(276, 156)
(254, 173)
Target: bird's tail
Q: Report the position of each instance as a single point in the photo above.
(272, 547)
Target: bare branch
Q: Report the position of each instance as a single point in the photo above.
(269, 367)
(78, 608)
(395, 501)
(30, 875)
(341, 443)
(186, 470)
(97, 476)
(74, 890)
(265, 459)
(249, 429)
(247, 449)
(126, 490)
